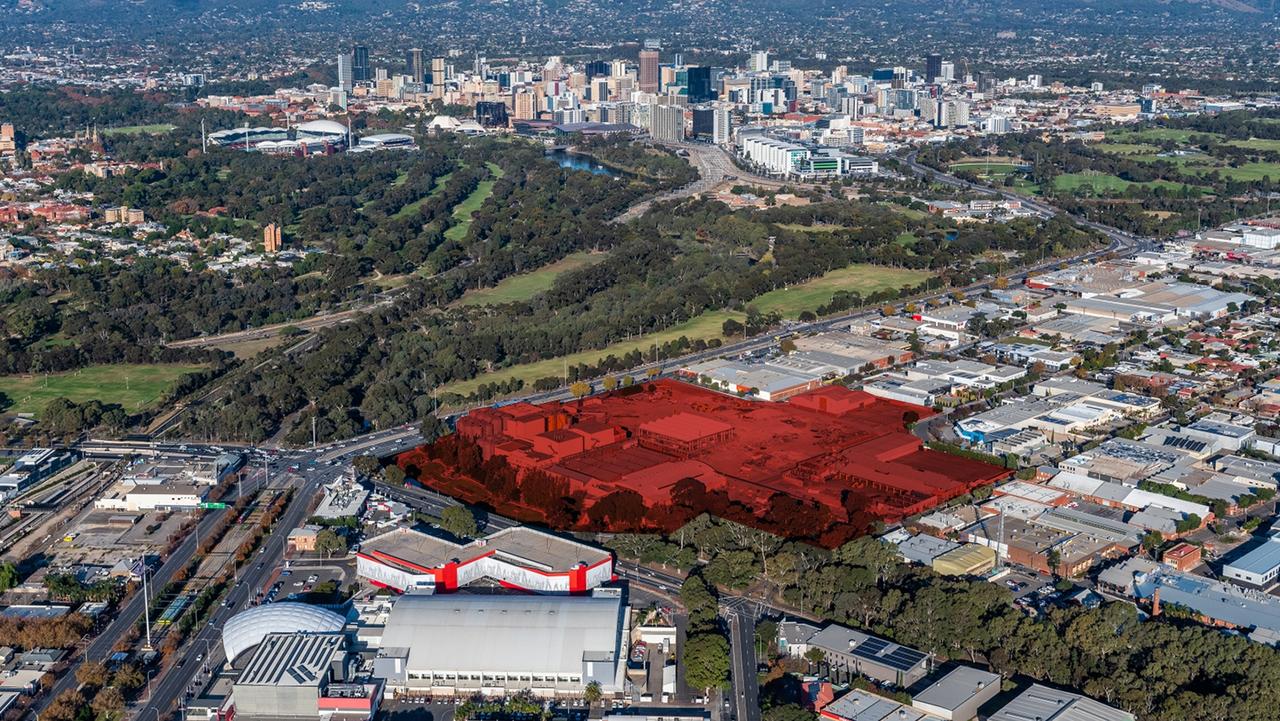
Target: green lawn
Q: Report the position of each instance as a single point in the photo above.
(862, 278)
(155, 129)
(1257, 144)
(904, 210)
(1102, 183)
(705, 326)
(984, 168)
(1250, 172)
(132, 386)
(436, 188)
(816, 228)
(906, 240)
(1178, 135)
(787, 301)
(1126, 148)
(526, 285)
(462, 211)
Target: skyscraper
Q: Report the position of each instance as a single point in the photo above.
(700, 86)
(344, 71)
(437, 77)
(360, 71)
(932, 67)
(413, 65)
(723, 127)
(666, 122)
(648, 71)
(597, 68)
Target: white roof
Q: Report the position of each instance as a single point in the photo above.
(248, 628)
(323, 127)
(500, 633)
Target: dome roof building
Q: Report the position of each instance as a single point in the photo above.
(248, 628)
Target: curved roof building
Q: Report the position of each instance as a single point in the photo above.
(248, 628)
(322, 129)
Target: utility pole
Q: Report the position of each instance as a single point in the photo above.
(313, 430)
(146, 603)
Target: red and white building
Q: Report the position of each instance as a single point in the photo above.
(518, 558)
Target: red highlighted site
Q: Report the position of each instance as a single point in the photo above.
(823, 466)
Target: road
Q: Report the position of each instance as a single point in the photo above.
(715, 167)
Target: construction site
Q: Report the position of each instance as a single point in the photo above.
(821, 466)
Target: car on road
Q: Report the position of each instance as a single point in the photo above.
(312, 578)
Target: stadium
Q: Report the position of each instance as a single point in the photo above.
(523, 559)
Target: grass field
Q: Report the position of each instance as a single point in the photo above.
(436, 188)
(864, 279)
(156, 129)
(816, 228)
(462, 211)
(249, 348)
(984, 168)
(132, 386)
(908, 212)
(1257, 144)
(1251, 171)
(787, 301)
(1126, 148)
(1102, 183)
(1156, 135)
(705, 326)
(526, 285)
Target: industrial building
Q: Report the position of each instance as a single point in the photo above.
(462, 644)
(958, 694)
(31, 468)
(247, 629)
(1049, 704)
(849, 651)
(303, 676)
(1258, 567)
(526, 559)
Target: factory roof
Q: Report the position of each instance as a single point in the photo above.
(518, 545)
(859, 705)
(1259, 560)
(292, 659)
(482, 633)
(956, 688)
(1240, 607)
(842, 639)
(1048, 704)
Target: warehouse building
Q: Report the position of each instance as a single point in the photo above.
(1049, 704)
(405, 559)
(463, 644)
(958, 695)
(1258, 567)
(851, 652)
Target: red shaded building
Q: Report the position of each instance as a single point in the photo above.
(832, 448)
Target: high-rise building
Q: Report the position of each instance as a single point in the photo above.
(344, 71)
(413, 65)
(8, 139)
(271, 238)
(666, 122)
(932, 67)
(526, 106)
(597, 68)
(701, 89)
(722, 127)
(648, 71)
(360, 71)
(704, 122)
(491, 114)
(437, 77)
(948, 73)
(759, 61)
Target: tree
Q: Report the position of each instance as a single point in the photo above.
(592, 693)
(108, 704)
(393, 475)
(580, 389)
(433, 429)
(367, 466)
(706, 661)
(459, 520)
(609, 383)
(9, 576)
(329, 543)
(92, 673)
(731, 328)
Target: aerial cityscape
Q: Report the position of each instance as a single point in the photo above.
(546, 360)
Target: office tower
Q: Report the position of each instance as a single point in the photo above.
(600, 90)
(882, 75)
(525, 106)
(851, 106)
(759, 61)
(1035, 81)
(704, 122)
(948, 72)
(677, 59)
(8, 139)
(491, 113)
(437, 77)
(618, 69)
(648, 71)
(932, 67)
(360, 64)
(344, 71)
(413, 65)
(666, 122)
(722, 127)
(597, 68)
(271, 238)
(700, 86)
(996, 124)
